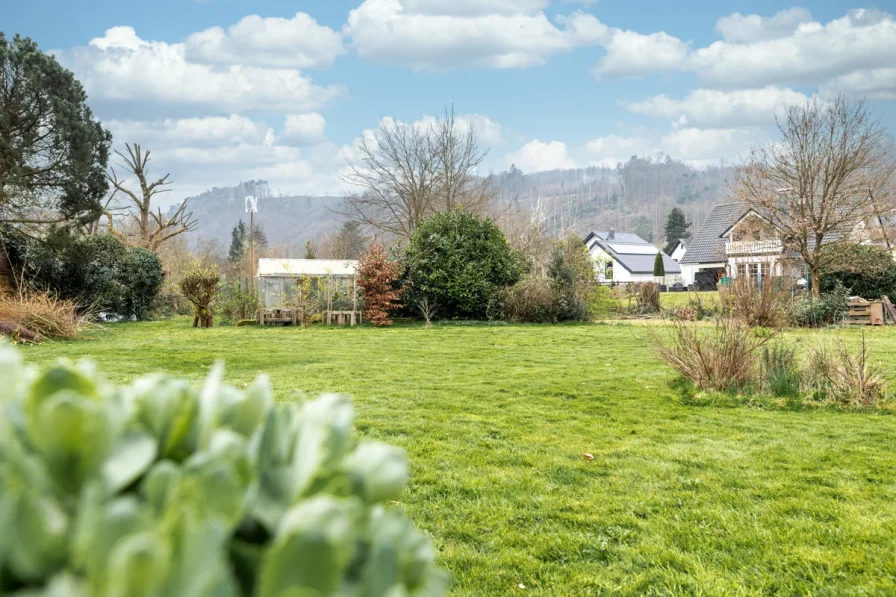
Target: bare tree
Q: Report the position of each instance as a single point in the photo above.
(407, 172)
(813, 185)
(153, 228)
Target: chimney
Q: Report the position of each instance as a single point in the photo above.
(612, 235)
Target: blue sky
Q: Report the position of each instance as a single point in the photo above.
(227, 90)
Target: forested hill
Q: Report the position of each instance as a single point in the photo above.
(635, 197)
(286, 220)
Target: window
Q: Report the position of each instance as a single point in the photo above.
(753, 270)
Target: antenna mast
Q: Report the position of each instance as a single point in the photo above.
(251, 207)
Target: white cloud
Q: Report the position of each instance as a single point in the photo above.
(698, 147)
(304, 129)
(436, 34)
(813, 53)
(738, 28)
(631, 54)
(710, 108)
(786, 49)
(299, 42)
(875, 84)
(189, 131)
(121, 67)
(537, 156)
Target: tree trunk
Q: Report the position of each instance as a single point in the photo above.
(815, 281)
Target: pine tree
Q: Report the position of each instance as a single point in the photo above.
(261, 239)
(310, 253)
(237, 242)
(676, 228)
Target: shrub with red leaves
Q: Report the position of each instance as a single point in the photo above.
(376, 277)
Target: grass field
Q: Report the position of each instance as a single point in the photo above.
(679, 500)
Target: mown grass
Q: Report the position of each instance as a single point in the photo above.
(678, 500)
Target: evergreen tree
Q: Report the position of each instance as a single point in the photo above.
(659, 269)
(238, 242)
(310, 253)
(676, 228)
(261, 239)
(53, 152)
(349, 242)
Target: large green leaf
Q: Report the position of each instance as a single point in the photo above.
(379, 471)
(313, 547)
(131, 456)
(324, 431)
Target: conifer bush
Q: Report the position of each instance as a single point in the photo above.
(159, 489)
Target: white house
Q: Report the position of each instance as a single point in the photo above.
(623, 258)
(678, 251)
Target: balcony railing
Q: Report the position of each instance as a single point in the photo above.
(753, 247)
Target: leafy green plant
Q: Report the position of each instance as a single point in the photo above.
(780, 372)
(458, 261)
(157, 489)
(602, 303)
(235, 304)
(827, 309)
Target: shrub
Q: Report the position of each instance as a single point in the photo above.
(377, 275)
(602, 303)
(459, 261)
(29, 315)
(160, 489)
(199, 287)
(646, 297)
(754, 306)
(99, 273)
(780, 372)
(571, 272)
(722, 357)
(865, 271)
(827, 309)
(530, 301)
(234, 303)
(854, 379)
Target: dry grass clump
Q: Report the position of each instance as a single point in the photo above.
(30, 315)
(756, 307)
(845, 375)
(720, 357)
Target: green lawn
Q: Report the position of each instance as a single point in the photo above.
(679, 500)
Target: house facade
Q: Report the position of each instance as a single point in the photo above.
(625, 258)
(737, 242)
(734, 242)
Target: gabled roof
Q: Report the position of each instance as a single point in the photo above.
(750, 212)
(618, 237)
(306, 267)
(708, 246)
(632, 252)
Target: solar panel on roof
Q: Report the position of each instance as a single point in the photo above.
(634, 249)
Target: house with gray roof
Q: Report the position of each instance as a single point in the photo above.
(624, 258)
(736, 241)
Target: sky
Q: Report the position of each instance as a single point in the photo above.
(223, 91)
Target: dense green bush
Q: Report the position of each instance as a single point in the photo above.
(99, 273)
(865, 271)
(602, 303)
(571, 272)
(827, 309)
(458, 261)
(158, 489)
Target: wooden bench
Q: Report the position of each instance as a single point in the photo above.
(343, 317)
(283, 316)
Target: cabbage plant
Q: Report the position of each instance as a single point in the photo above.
(161, 490)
